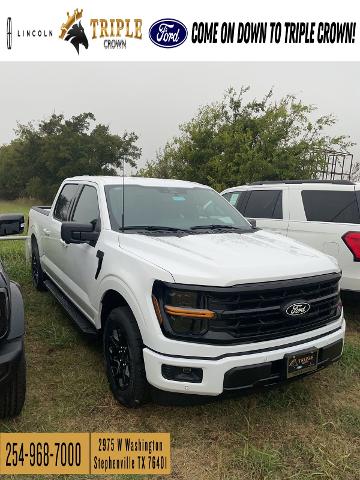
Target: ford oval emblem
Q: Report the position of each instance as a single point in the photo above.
(298, 308)
(168, 33)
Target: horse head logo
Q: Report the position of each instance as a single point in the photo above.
(73, 31)
(76, 35)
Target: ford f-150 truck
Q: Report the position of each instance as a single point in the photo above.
(12, 326)
(188, 295)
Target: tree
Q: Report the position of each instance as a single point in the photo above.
(232, 142)
(37, 161)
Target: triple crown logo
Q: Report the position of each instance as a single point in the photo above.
(73, 31)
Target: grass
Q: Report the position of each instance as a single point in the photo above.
(306, 430)
(17, 206)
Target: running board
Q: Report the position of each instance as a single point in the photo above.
(74, 313)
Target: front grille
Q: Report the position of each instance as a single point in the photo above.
(256, 312)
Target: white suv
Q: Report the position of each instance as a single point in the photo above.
(321, 213)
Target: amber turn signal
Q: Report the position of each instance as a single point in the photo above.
(188, 312)
(157, 309)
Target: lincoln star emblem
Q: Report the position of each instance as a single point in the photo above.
(9, 33)
(299, 308)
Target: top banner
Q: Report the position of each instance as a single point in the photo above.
(137, 31)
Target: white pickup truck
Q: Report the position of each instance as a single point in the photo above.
(188, 296)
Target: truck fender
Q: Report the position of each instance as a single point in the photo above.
(114, 283)
(17, 318)
(34, 234)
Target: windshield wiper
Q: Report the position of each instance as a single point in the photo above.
(217, 227)
(151, 228)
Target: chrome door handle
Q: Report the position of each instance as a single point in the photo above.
(46, 232)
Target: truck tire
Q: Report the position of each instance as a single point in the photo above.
(124, 361)
(12, 396)
(37, 273)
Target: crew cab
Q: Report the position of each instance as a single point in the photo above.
(188, 296)
(324, 214)
(12, 328)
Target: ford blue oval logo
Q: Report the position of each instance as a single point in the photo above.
(299, 308)
(168, 33)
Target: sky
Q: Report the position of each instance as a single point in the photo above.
(152, 99)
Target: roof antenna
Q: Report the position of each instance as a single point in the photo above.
(123, 196)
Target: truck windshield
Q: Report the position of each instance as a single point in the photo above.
(171, 208)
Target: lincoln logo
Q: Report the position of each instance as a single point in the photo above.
(9, 33)
(297, 308)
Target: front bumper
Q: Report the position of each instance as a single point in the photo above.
(236, 372)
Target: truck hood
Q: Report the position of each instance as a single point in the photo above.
(227, 259)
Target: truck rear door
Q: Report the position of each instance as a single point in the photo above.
(53, 246)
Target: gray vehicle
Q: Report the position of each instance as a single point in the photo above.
(12, 328)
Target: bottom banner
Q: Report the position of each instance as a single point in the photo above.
(84, 453)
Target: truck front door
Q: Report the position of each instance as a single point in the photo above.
(81, 259)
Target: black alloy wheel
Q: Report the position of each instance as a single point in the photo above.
(119, 359)
(124, 360)
(37, 273)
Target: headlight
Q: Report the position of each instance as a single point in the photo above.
(178, 298)
(181, 311)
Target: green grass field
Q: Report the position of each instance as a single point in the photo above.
(309, 429)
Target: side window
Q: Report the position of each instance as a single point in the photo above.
(264, 204)
(87, 208)
(233, 197)
(64, 200)
(330, 206)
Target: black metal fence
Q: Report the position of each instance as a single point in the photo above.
(338, 166)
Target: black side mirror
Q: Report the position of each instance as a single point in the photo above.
(252, 222)
(72, 232)
(11, 224)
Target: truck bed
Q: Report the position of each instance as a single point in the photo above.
(42, 209)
